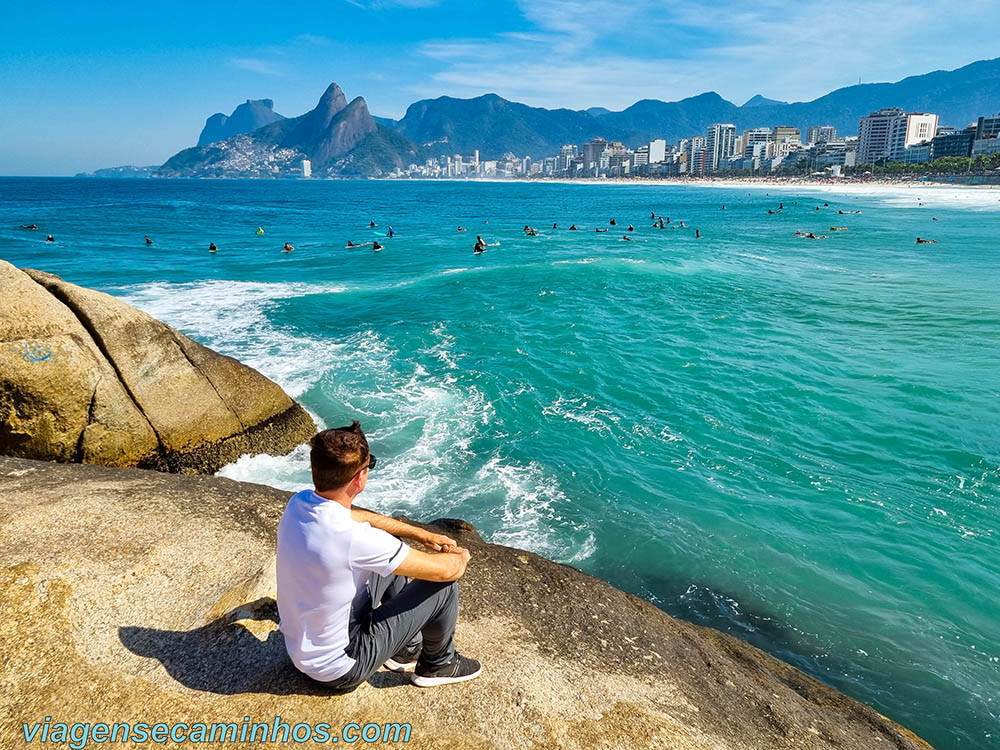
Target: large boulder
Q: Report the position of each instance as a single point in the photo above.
(134, 596)
(84, 377)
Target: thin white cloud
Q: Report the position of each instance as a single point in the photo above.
(256, 65)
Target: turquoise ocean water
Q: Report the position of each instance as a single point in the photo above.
(794, 441)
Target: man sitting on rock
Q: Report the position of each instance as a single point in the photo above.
(346, 607)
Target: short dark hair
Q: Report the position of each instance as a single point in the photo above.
(337, 455)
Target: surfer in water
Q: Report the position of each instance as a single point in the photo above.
(148, 241)
(920, 241)
(631, 228)
(287, 248)
(372, 224)
(573, 228)
(480, 245)
(390, 233)
(49, 239)
(29, 226)
(613, 223)
(598, 229)
(462, 229)
(626, 238)
(355, 244)
(554, 225)
(697, 234)
(212, 248)
(376, 247)
(260, 230)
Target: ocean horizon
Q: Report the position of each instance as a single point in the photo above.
(790, 440)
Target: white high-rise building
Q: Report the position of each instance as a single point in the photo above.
(719, 139)
(911, 129)
(752, 138)
(821, 133)
(873, 134)
(886, 134)
(307, 168)
(657, 151)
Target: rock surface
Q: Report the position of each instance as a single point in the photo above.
(138, 596)
(84, 377)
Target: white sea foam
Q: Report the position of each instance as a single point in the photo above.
(531, 512)
(431, 418)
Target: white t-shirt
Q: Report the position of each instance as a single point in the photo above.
(324, 560)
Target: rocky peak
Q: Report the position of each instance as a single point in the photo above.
(246, 118)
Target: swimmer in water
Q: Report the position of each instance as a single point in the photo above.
(260, 230)
(462, 229)
(613, 223)
(661, 222)
(554, 225)
(934, 218)
(697, 234)
(723, 206)
(682, 225)
(212, 248)
(287, 248)
(652, 214)
(626, 238)
(148, 241)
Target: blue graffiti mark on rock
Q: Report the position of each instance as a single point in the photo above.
(37, 351)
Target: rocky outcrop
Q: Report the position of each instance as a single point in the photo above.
(338, 137)
(246, 118)
(135, 596)
(84, 377)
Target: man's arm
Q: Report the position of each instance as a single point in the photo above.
(443, 567)
(403, 530)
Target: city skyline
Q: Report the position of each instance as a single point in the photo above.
(118, 84)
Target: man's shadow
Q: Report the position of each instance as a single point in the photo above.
(225, 657)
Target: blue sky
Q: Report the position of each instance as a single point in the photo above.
(88, 85)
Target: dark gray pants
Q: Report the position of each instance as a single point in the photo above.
(411, 615)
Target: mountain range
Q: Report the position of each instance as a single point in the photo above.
(342, 138)
(337, 136)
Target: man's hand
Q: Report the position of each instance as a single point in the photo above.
(438, 542)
